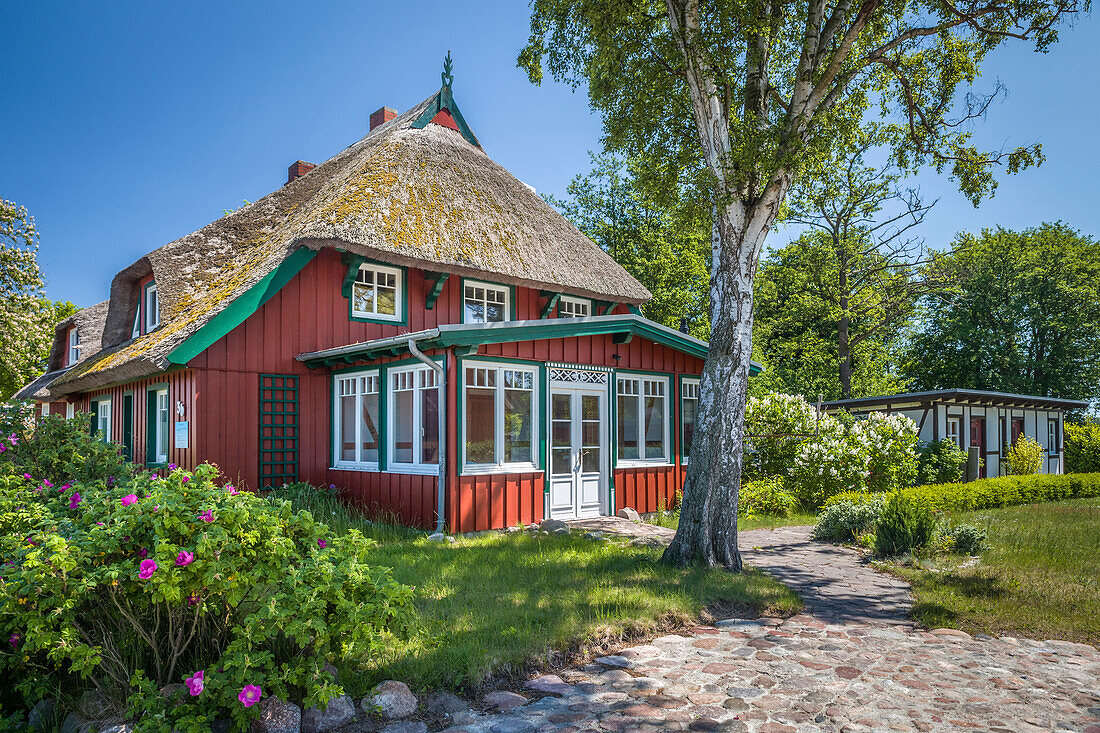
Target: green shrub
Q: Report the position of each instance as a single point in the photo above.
(941, 462)
(147, 582)
(845, 519)
(1025, 457)
(904, 526)
(1082, 447)
(58, 450)
(1001, 491)
(966, 538)
(765, 497)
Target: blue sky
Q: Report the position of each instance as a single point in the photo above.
(128, 125)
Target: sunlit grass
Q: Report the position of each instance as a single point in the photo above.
(1040, 577)
(671, 520)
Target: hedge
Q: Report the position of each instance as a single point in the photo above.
(990, 493)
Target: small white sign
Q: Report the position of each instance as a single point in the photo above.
(181, 434)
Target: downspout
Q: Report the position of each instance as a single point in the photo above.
(441, 373)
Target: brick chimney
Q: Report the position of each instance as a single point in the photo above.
(298, 169)
(382, 116)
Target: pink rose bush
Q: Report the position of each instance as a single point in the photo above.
(272, 594)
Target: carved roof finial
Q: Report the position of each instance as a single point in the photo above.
(447, 76)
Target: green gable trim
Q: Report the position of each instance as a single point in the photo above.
(444, 101)
(353, 262)
(634, 309)
(437, 288)
(240, 309)
(551, 301)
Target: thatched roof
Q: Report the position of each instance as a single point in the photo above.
(89, 323)
(410, 193)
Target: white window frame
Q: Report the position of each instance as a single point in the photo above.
(499, 465)
(689, 390)
(162, 415)
(103, 409)
(74, 345)
(136, 330)
(484, 302)
(954, 421)
(573, 303)
(1053, 444)
(645, 383)
(151, 304)
(399, 293)
(416, 467)
(362, 382)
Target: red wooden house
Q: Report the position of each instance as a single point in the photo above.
(407, 321)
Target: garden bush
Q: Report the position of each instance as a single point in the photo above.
(904, 526)
(989, 493)
(776, 425)
(1025, 457)
(132, 585)
(965, 538)
(1082, 447)
(765, 497)
(58, 450)
(845, 519)
(941, 462)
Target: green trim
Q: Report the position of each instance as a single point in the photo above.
(680, 379)
(613, 435)
(481, 281)
(242, 307)
(93, 406)
(551, 301)
(286, 471)
(151, 425)
(384, 416)
(353, 262)
(128, 424)
(443, 100)
(634, 309)
(602, 307)
(403, 292)
(541, 463)
(437, 288)
(671, 376)
(144, 322)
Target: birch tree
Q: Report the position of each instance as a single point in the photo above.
(741, 98)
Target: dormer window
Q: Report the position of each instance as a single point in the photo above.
(485, 303)
(74, 346)
(569, 307)
(376, 293)
(151, 305)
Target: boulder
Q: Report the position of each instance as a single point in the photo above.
(73, 722)
(437, 537)
(42, 715)
(406, 726)
(561, 530)
(628, 513)
(444, 703)
(340, 710)
(119, 728)
(175, 691)
(92, 706)
(552, 525)
(504, 701)
(278, 716)
(391, 700)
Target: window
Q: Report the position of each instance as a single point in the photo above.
(158, 405)
(376, 293)
(152, 307)
(1053, 435)
(74, 346)
(689, 414)
(414, 419)
(103, 420)
(953, 430)
(642, 420)
(356, 421)
(500, 417)
(574, 307)
(136, 330)
(484, 303)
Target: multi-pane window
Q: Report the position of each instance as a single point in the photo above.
(642, 420)
(500, 418)
(152, 307)
(954, 431)
(357, 427)
(376, 293)
(484, 303)
(103, 420)
(74, 346)
(574, 307)
(160, 430)
(689, 413)
(414, 418)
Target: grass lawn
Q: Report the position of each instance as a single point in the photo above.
(670, 520)
(493, 607)
(1040, 577)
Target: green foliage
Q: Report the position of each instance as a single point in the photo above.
(904, 526)
(1082, 447)
(988, 493)
(941, 462)
(845, 520)
(1025, 457)
(966, 538)
(144, 582)
(1025, 317)
(776, 426)
(58, 450)
(765, 497)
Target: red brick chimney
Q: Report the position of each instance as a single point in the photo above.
(298, 169)
(382, 116)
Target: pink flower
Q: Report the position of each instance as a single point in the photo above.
(231, 489)
(14, 640)
(64, 487)
(185, 558)
(144, 553)
(129, 499)
(194, 683)
(2, 448)
(186, 479)
(47, 484)
(148, 567)
(74, 500)
(100, 524)
(193, 599)
(14, 439)
(207, 516)
(171, 467)
(322, 543)
(28, 477)
(250, 695)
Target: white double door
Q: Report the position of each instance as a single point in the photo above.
(578, 452)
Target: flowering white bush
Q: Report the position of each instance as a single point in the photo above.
(776, 425)
(892, 445)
